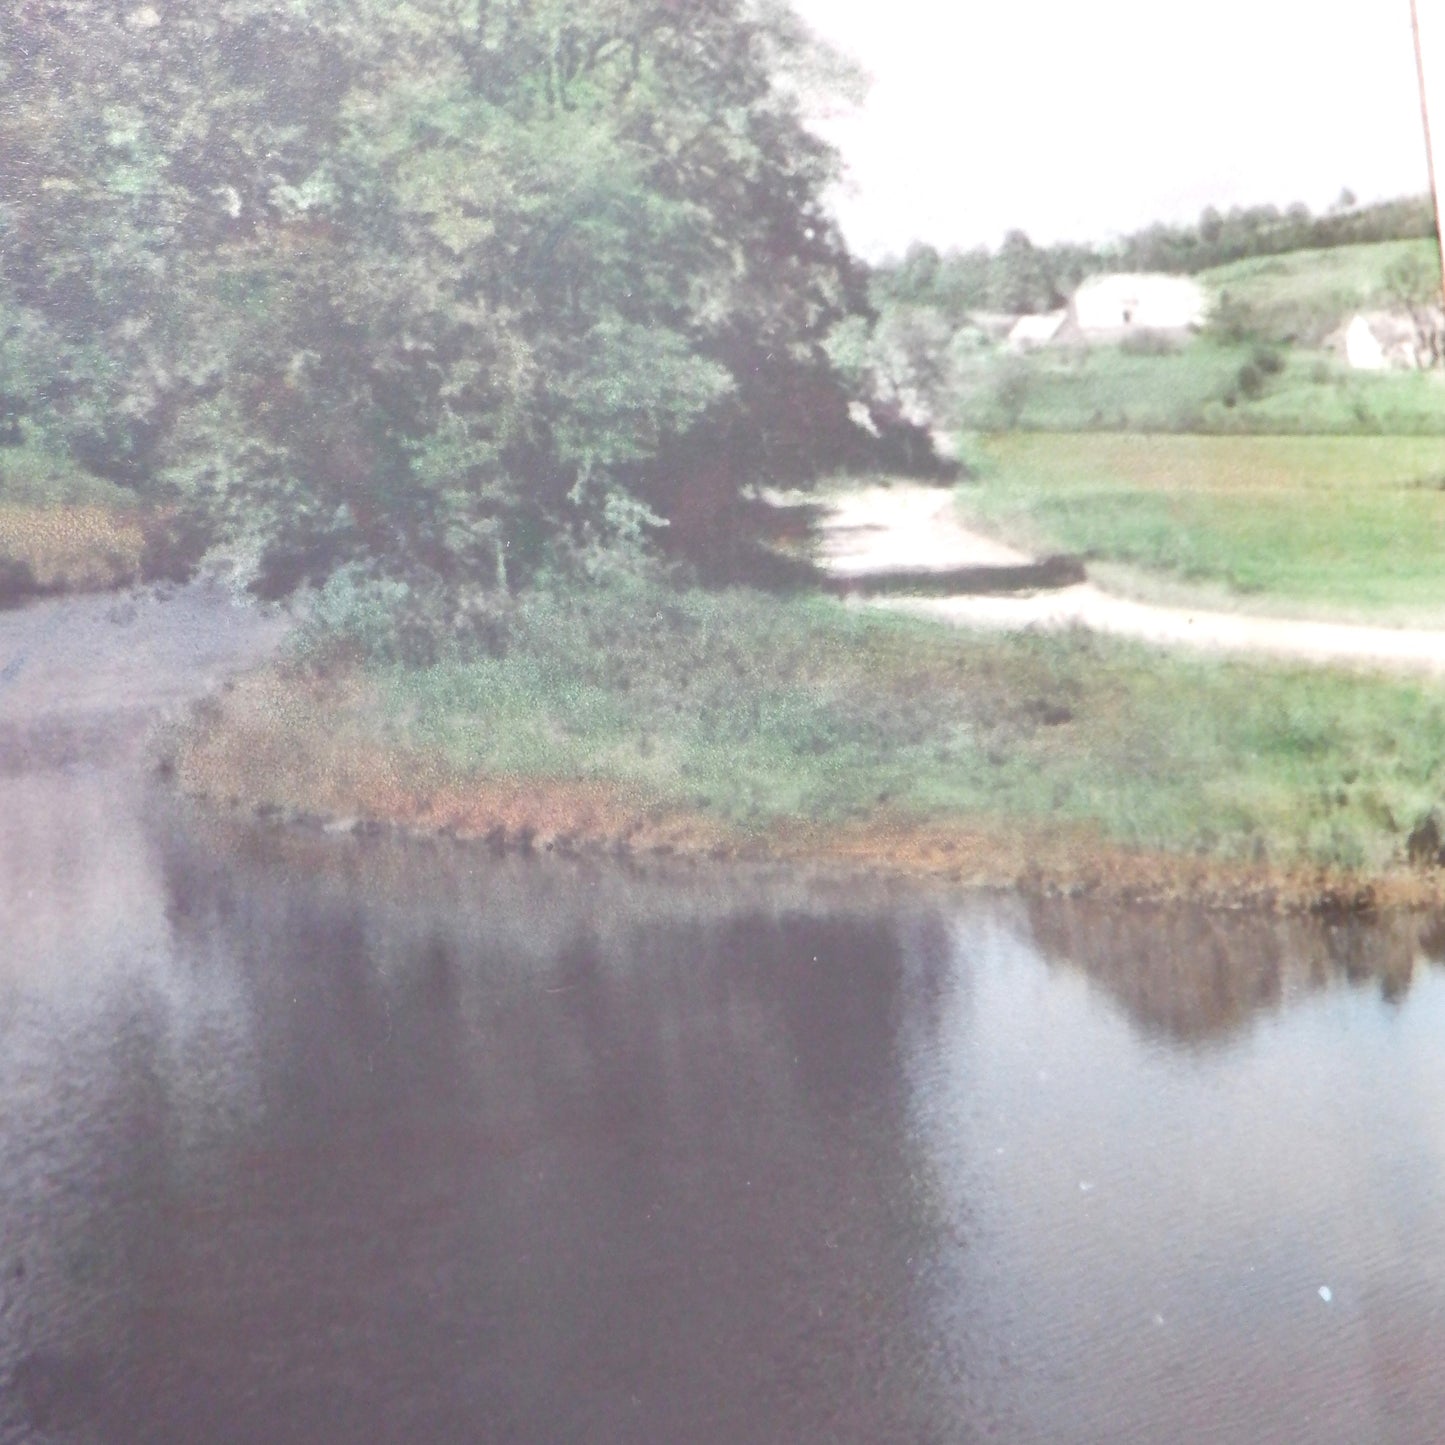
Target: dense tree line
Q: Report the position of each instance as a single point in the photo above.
(433, 290)
(1020, 276)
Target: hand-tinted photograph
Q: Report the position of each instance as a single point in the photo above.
(722, 722)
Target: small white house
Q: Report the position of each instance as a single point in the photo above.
(1119, 305)
(1030, 331)
(1379, 341)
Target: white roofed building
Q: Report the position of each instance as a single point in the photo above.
(1378, 341)
(1031, 331)
(1115, 306)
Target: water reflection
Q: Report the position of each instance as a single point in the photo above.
(1151, 1223)
(444, 1168)
(308, 1140)
(1191, 975)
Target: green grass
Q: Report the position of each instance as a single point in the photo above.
(1194, 388)
(1102, 387)
(1349, 525)
(1306, 294)
(32, 475)
(757, 710)
(1318, 395)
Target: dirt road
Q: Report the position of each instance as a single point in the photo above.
(907, 525)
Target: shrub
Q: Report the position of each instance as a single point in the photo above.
(1250, 381)
(1267, 360)
(386, 620)
(1233, 320)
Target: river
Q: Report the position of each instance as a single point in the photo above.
(315, 1139)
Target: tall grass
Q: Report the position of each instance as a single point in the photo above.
(758, 711)
(63, 528)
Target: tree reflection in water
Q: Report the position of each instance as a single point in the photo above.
(1192, 975)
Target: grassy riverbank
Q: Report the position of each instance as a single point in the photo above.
(1348, 526)
(737, 722)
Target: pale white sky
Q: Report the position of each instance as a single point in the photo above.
(1084, 119)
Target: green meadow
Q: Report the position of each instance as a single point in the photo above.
(1204, 385)
(1350, 526)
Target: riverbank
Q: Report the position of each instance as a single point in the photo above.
(65, 530)
(737, 725)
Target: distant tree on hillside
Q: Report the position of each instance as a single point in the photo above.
(1413, 284)
(1023, 278)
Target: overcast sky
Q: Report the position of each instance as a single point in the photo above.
(1084, 119)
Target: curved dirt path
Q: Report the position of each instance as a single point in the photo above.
(908, 525)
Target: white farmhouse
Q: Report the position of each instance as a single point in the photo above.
(1031, 331)
(1119, 305)
(1378, 341)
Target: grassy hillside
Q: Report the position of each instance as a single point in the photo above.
(1349, 525)
(1303, 295)
(1260, 369)
(1204, 386)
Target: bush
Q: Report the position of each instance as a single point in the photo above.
(17, 582)
(1250, 381)
(1013, 383)
(1267, 360)
(1233, 320)
(380, 619)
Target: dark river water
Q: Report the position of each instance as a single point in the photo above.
(311, 1139)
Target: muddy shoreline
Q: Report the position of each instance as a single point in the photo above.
(144, 679)
(501, 818)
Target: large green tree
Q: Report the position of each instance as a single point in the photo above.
(428, 288)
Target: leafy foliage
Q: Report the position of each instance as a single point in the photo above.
(427, 289)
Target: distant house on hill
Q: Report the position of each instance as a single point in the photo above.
(1030, 331)
(1109, 308)
(1378, 341)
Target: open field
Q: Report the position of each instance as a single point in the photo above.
(1352, 527)
(733, 718)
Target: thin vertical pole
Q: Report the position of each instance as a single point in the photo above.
(1429, 140)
